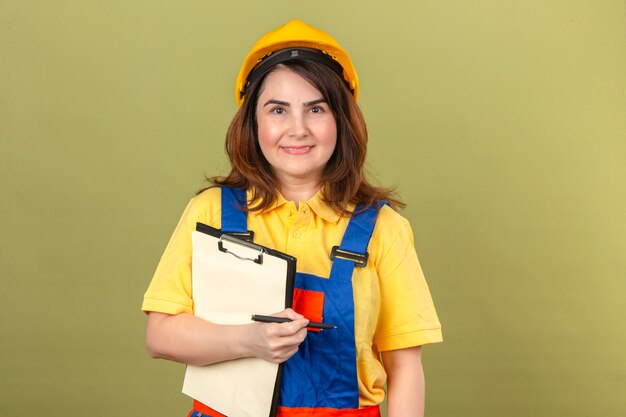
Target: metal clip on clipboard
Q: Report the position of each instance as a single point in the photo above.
(227, 238)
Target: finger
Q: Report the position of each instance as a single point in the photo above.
(291, 328)
(289, 354)
(295, 339)
(284, 355)
(289, 313)
(287, 342)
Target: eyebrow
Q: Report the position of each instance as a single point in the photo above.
(286, 104)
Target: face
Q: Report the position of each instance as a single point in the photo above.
(296, 128)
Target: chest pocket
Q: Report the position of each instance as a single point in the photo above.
(310, 304)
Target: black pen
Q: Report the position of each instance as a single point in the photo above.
(274, 319)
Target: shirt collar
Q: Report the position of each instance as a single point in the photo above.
(316, 203)
(322, 209)
(280, 201)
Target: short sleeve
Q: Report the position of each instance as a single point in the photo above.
(407, 315)
(170, 289)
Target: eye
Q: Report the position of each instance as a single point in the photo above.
(317, 109)
(278, 110)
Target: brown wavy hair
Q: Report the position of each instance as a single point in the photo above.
(343, 179)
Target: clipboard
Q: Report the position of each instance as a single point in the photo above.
(231, 280)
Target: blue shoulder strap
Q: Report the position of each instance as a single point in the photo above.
(234, 216)
(353, 249)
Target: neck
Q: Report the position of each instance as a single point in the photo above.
(297, 191)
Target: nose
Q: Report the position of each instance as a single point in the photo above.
(298, 127)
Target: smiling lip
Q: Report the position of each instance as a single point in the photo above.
(297, 150)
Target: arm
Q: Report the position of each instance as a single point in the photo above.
(405, 382)
(189, 339)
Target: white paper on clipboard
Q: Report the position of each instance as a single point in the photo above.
(231, 280)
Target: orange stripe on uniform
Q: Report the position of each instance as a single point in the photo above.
(205, 409)
(373, 411)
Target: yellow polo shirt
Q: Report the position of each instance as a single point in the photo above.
(393, 306)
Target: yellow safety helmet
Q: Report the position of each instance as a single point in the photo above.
(289, 38)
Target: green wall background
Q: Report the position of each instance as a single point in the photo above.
(503, 124)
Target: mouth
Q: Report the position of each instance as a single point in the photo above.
(297, 150)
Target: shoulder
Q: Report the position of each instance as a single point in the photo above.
(390, 223)
(212, 195)
(391, 233)
(205, 207)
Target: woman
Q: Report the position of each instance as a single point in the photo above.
(297, 147)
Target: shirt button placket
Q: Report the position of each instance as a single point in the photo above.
(298, 232)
